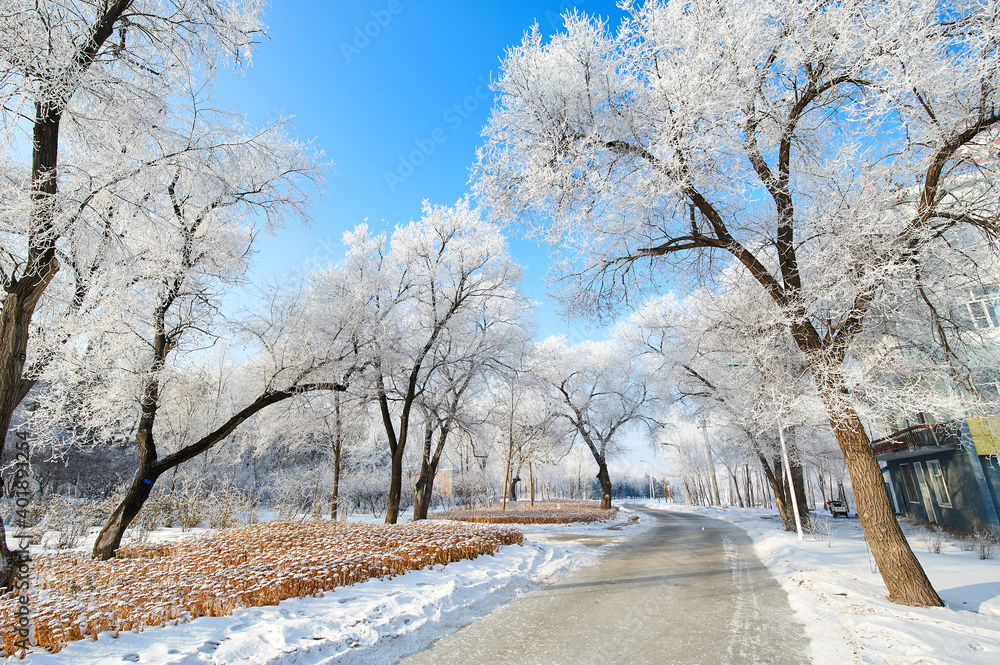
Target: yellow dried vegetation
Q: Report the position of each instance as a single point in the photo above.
(214, 574)
(562, 512)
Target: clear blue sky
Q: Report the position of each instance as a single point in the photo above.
(389, 87)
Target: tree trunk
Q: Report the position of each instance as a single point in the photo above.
(395, 486)
(902, 573)
(338, 446)
(41, 265)
(711, 464)
(798, 477)
(110, 537)
(15, 319)
(150, 469)
(397, 445)
(736, 487)
(531, 483)
(335, 492)
(605, 480)
(798, 487)
(422, 492)
(506, 481)
(687, 490)
(424, 486)
(781, 500)
(428, 472)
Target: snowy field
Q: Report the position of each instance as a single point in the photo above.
(836, 592)
(370, 623)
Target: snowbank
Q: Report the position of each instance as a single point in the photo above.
(837, 593)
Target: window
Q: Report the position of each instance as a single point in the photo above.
(984, 305)
(940, 487)
(988, 384)
(988, 390)
(909, 483)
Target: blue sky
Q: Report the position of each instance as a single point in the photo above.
(395, 93)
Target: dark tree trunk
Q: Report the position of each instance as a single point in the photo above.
(396, 447)
(424, 486)
(776, 479)
(338, 446)
(901, 571)
(395, 486)
(799, 487)
(513, 487)
(23, 293)
(110, 537)
(798, 478)
(150, 469)
(605, 480)
(335, 492)
(428, 472)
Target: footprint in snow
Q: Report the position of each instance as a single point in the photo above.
(208, 647)
(131, 657)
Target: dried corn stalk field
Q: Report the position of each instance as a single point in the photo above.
(540, 513)
(74, 597)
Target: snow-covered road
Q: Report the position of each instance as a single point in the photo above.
(689, 590)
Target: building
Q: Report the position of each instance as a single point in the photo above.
(946, 473)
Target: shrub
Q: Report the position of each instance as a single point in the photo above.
(932, 537)
(230, 507)
(985, 543)
(821, 529)
(66, 521)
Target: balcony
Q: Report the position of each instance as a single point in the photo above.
(942, 435)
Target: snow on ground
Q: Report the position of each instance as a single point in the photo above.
(374, 622)
(838, 595)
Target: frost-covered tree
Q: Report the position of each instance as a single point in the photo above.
(832, 149)
(435, 280)
(74, 74)
(490, 342)
(716, 354)
(599, 390)
(524, 420)
(136, 355)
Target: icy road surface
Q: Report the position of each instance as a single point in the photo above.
(689, 590)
